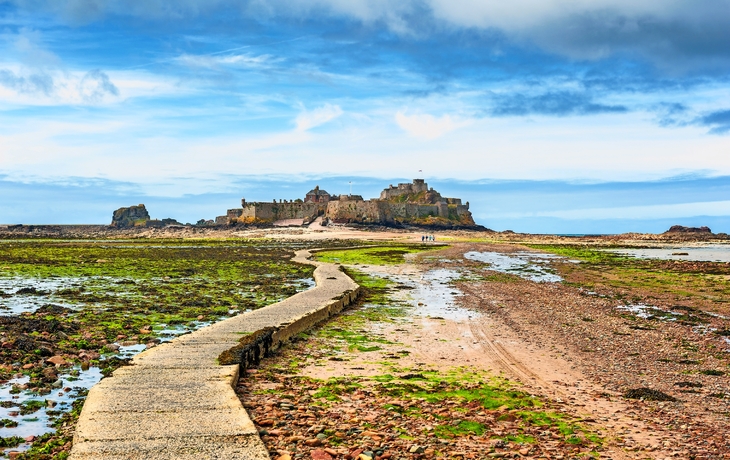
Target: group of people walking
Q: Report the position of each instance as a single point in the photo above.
(427, 238)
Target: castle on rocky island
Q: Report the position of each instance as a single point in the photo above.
(407, 204)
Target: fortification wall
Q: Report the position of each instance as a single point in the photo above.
(365, 212)
(271, 212)
(347, 212)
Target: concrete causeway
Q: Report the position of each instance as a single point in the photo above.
(177, 402)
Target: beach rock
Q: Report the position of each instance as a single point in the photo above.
(56, 360)
(111, 347)
(50, 374)
(130, 217)
(319, 454)
(682, 229)
(648, 394)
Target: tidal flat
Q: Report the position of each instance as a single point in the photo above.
(570, 323)
(621, 357)
(72, 311)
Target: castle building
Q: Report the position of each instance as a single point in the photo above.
(317, 196)
(409, 203)
(418, 186)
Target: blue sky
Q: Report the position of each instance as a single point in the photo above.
(570, 116)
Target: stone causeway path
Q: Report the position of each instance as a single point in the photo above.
(177, 402)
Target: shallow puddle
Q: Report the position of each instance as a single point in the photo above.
(649, 312)
(18, 295)
(527, 265)
(431, 294)
(709, 253)
(35, 413)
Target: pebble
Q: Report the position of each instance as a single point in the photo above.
(320, 454)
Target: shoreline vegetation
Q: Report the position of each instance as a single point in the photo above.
(632, 328)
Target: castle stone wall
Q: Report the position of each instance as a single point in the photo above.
(347, 212)
(363, 212)
(271, 212)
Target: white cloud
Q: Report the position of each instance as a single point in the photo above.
(239, 60)
(142, 148)
(319, 116)
(425, 126)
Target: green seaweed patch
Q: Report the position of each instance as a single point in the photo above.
(469, 391)
(11, 441)
(354, 340)
(390, 255)
(575, 433)
(7, 423)
(459, 384)
(462, 428)
(333, 388)
(30, 406)
(683, 279)
(130, 291)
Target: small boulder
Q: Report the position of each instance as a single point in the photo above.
(319, 454)
(57, 361)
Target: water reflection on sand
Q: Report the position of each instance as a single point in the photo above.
(708, 253)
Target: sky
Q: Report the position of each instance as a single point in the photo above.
(548, 116)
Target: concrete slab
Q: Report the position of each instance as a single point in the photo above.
(154, 398)
(132, 374)
(142, 426)
(247, 447)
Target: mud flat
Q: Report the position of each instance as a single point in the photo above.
(650, 335)
(441, 362)
(602, 327)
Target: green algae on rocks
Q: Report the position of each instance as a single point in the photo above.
(67, 305)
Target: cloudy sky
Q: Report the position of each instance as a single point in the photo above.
(566, 116)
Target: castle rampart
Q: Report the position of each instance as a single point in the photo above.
(418, 186)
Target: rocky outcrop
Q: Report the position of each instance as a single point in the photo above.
(133, 216)
(682, 229)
